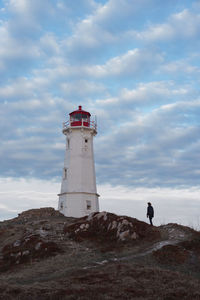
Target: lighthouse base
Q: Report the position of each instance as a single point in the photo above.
(78, 204)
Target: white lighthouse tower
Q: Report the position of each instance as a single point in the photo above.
(78, 196)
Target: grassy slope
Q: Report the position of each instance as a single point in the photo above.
(91, 270)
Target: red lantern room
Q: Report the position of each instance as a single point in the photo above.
(80, 117)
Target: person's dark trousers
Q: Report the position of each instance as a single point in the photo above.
(150, 219)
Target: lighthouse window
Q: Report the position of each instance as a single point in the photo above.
(67, 143)
(61, 206)
(86, 140)
(88, 204)
(65, 173)
(77, 117)
(84, 116)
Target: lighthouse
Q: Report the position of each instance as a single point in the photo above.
(78, 196)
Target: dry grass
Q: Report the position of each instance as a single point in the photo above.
(87, 270)
(112, 281)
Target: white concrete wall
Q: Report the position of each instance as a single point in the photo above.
(76, 204)
(79, 179)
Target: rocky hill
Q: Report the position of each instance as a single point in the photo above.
(44, 255)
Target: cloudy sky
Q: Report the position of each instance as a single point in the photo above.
(135, 64)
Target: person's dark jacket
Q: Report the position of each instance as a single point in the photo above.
(150, 212)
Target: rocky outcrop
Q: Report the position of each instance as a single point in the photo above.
(40, 212)
(104, 227)
(27, 249)
(34, 235)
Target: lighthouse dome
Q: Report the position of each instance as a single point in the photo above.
(80, 117)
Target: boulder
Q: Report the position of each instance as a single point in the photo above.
(104, 226)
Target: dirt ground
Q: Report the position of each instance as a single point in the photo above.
(44, 255)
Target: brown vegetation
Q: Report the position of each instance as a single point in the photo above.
(45, 255)
(171, 254)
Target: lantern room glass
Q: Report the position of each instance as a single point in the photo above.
(77, 117)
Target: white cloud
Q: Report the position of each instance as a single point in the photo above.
(49, 44)
(13, 51)
(21, 194)
(150, 93)
(102, 27)
(135, 62)
(171, 205)
(182, 25)
(82, 87)
(153, 144)
(180, 67)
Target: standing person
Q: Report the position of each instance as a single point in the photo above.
(150, 212)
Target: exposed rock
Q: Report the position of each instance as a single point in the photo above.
(31, 237)
(27, 249)
(40, 212)
(178, 232)
(106, 226)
